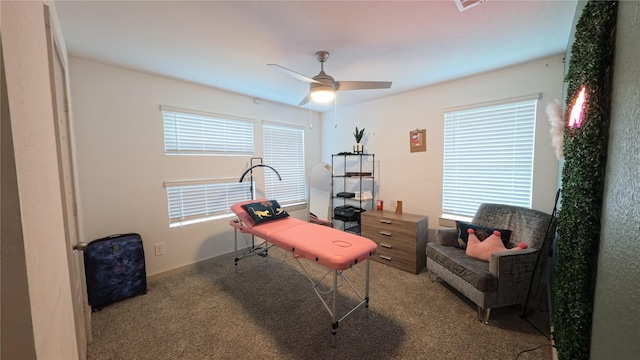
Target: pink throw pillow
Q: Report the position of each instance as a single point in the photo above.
(483, 249)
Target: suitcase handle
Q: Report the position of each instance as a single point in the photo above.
(106, 238)
(80, 246)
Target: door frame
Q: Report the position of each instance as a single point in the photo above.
(81, 309)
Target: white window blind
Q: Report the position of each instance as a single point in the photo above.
(488, 157)
(284, 151)
(193, 133)
(191, 202)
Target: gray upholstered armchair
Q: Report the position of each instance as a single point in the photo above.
(506, 279)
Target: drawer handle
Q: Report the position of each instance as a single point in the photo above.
(388, 258)
(385, 233)
(388, 246)
(385, 221)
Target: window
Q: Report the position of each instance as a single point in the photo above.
(194, 133)
(284, 151)
(196, 201)
(488, 157)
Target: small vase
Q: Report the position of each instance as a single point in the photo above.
(357, 148)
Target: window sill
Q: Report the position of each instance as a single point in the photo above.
(295, 207)
(451, 222)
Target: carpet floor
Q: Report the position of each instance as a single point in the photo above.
(267, 309)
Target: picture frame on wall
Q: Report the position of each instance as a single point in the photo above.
(418, 140)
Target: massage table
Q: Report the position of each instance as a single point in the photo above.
(330, 248)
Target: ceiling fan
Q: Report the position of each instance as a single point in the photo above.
(322, 87)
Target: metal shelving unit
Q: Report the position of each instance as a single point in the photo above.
(352, 173)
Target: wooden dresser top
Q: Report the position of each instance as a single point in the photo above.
(388, 214)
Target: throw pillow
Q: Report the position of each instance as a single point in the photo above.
(483, 249)
(482, 232)
(265, 211)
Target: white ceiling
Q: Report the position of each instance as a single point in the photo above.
(228, 44)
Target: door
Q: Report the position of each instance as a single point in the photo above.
(82, 312)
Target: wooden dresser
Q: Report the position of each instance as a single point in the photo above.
(401, 238)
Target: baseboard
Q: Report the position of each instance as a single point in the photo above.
(159, 276)
(554, 351)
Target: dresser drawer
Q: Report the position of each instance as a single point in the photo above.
(391, 229)
(391, 239)
(401, 238)
(401, 260)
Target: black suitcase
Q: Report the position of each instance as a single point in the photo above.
(115, 269)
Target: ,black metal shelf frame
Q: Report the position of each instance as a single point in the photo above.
(361, 172)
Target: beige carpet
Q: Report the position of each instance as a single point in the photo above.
(268, 310)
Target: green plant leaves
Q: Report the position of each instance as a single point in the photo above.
(358, 135)
(585, 151)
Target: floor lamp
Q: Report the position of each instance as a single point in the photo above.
(262, 251)
(546, 236)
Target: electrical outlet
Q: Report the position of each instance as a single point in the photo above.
(159, 249)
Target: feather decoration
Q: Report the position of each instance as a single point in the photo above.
(554, 112)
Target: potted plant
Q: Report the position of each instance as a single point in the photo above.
(357, 148)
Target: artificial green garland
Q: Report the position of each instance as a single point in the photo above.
(585, 154)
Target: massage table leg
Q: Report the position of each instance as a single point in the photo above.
(334, 321)
(366, 288)
(330, 303)
(235, 248)
(261, 250)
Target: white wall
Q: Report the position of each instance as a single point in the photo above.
(416, 178)
(121, 162)
(616, 314)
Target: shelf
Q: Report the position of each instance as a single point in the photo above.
(357, 172)
(354, 176)
(353, 229)
(352, 154)
(352, 199)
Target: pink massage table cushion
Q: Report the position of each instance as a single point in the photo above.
(332, 248)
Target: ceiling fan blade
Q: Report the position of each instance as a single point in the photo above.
(362, 85)
(293, 73)
(305, 100)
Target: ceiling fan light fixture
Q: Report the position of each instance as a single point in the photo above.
(322, 94)
(323, 87)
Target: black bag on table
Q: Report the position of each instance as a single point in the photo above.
(115, 269)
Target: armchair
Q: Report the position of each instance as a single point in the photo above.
(510, 277)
